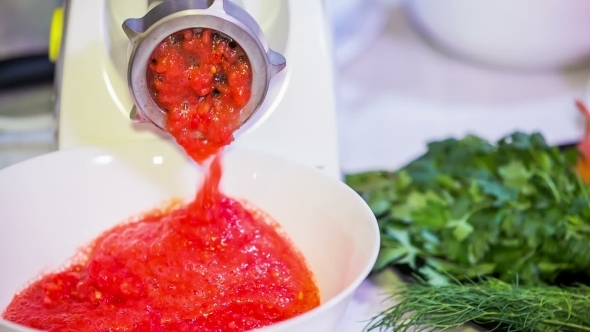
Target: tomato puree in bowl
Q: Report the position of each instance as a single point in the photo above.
(212, 264)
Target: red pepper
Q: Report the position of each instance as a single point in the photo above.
(583, 165)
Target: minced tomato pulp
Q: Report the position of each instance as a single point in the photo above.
(202, 80)
(213, 264)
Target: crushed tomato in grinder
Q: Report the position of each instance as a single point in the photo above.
(202, 80)
(214, 264)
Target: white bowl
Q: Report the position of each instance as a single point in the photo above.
(53, 204)
(522, 34)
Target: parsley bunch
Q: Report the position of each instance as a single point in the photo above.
(469, 208)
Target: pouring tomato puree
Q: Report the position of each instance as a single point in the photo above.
(213, 264)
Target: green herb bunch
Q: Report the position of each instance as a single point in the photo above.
(491, 302)
(469, 209)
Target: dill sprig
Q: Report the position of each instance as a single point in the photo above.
(421, 307)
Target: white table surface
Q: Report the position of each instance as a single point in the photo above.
(401, 93)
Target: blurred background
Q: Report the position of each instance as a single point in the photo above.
(408, 72)
(26, 80)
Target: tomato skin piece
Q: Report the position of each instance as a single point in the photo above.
(201, 80)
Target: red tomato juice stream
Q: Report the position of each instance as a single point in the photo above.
(213, 264)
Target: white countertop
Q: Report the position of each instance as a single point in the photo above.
(401, 92)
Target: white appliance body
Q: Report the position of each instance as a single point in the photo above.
(297, 119)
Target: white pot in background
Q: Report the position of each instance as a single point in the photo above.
(521, 34)
(356, 24)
